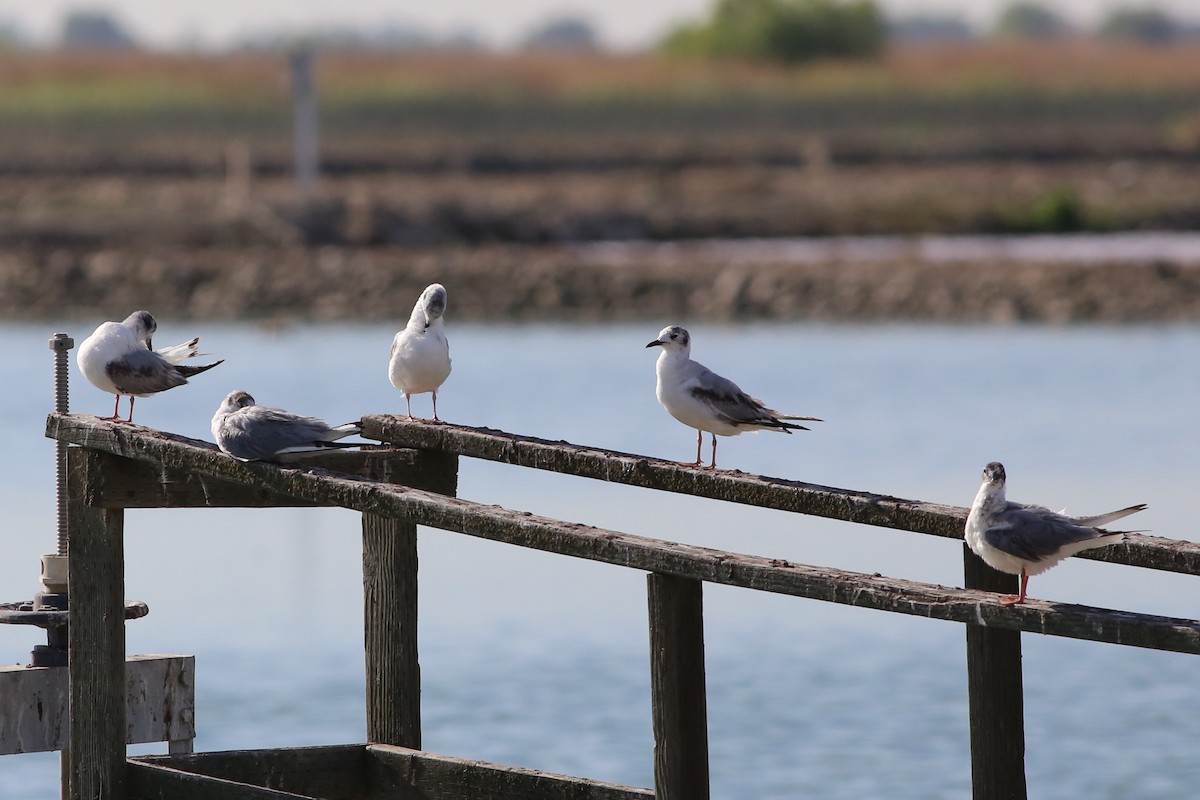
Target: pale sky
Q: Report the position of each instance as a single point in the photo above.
(620, 23)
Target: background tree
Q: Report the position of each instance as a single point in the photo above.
(1141, 24)
(1024, 20)
(564, 34)
(94, 30)
(783, 30)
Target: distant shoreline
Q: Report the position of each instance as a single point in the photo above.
(859, 279)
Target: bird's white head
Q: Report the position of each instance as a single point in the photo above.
(673, 339)
(144, 325)
(236, 400)
(431, 305)
(993, 481)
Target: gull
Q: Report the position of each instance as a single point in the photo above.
(251, 432)
(1028, 540)
(119, 358)
(420, 353)
(702, 399)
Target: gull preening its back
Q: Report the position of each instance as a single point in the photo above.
(1028, 540)
(420, 359)
(119, 358)
(702, 399)
(251, 432)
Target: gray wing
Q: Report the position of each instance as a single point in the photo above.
(1034, 533)
(258, 432)
(727, 400)
(143, 372)
(734, 406)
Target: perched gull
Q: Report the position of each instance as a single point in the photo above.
(257, 433)
(420, 353)
(1028, 540)
(702, 399)
(119, 358)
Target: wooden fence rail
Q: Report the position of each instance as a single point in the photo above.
(117, 466)
(1152, 552)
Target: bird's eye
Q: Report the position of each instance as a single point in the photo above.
(674, 335)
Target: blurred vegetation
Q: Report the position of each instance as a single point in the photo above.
(1027, 20)
(786, 31)
(1150, 25)
(1057, 210)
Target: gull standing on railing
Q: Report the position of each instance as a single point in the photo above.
(1028, 540)
(702, 399)
(420, 353)
(251, 432)
(120, 359)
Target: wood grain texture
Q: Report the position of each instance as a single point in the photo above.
(866, 508)
(996, 695)
(96, 649)
(435, 777)
(160, 703)
(638, 552)
(334, 772)
(677, 687)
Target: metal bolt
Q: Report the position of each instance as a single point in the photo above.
(61, 343)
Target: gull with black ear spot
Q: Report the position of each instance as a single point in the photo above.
(250, 432)
(1028, 540)
(420, 359)
(119, 358)
(702, 399)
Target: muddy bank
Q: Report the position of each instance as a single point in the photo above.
(526, 283)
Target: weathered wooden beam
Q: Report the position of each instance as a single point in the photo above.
(866, 508)
(652, 555)
(96, 651)
(678, 699)
(126, 483)
(159, 703)
(334, 772)
(995, 695)
(436, 777)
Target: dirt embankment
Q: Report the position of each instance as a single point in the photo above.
(553, 282)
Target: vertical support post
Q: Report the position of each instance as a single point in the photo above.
(390, 613)
(996, 695)
(96, 662)
(304, 120)
(677, 687)
(390, 600)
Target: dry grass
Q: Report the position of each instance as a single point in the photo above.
(52, 83)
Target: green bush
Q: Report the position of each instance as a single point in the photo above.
(1025, 20)
(782, 30)
(1141, 24)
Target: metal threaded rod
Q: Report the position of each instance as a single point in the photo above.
(61, 343)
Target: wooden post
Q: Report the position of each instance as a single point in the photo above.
(996, 695)
(390, 612)
(677, 687)
(304, 121)
(390, 604)
(96, 650)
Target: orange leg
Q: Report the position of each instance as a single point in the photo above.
(1013, 600)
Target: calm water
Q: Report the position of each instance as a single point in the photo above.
(539, 661)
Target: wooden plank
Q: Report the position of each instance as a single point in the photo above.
(158, 782)
(652, 555)
(677, 688)
(335, 772)
(436, 777)
(866, 508)
(159, 702)
(996, 695)
(96, 651)
(127, 483)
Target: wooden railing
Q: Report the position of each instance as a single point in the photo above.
(118, 466)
